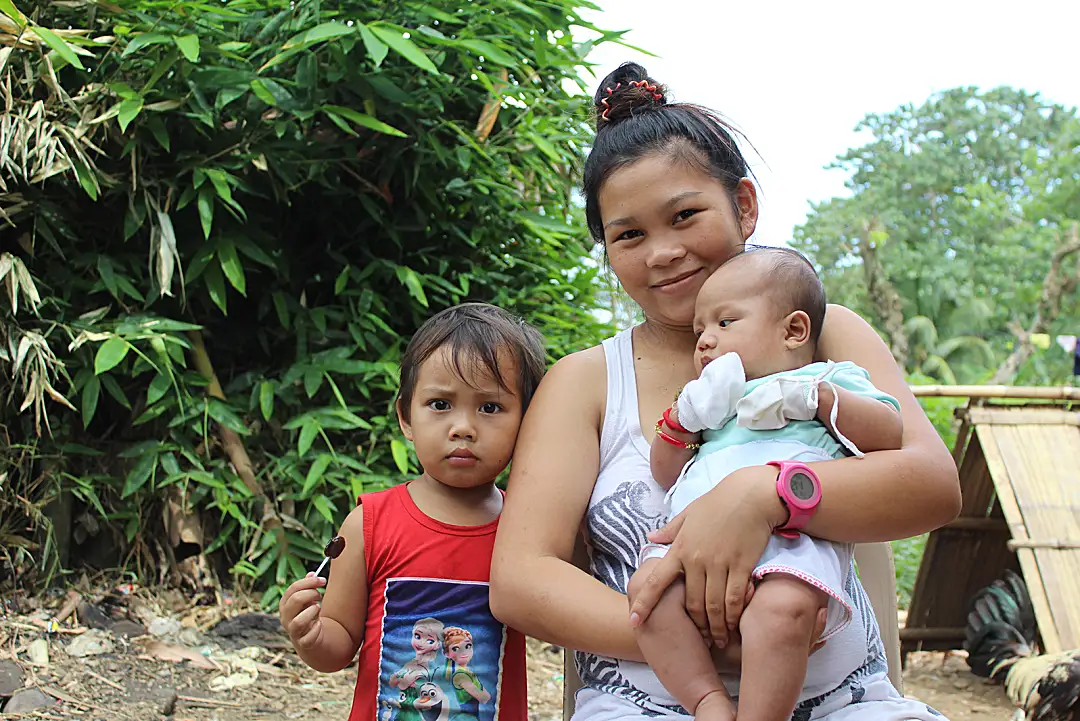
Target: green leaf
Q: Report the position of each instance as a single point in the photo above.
(158, 387)
(342, 281)
(109, 354)
(313, 379)
(215, 286)
(230, 263)
(157, 128)
(90, 393)
(8, 8)
(226, 416)
(395, 37)
(129, 110)
(206, 209)
(113, 388)
(189, 46)
(364, 120)
(259, 88)
(282, 310)
(315, 473)
(266, 399)
(140, 474)
(376, 48)
(401, 455)
(141, 41)
(489, 51)
(411, 280)
(58, 44)
(324, 507)
(308, 432)
(318, 34)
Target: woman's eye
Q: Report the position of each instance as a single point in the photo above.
(685, 214)
(439, 405)
(490, 408)
(629, 235)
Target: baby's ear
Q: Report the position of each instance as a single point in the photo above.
(797, 330)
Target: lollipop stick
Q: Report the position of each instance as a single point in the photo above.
(326, 560)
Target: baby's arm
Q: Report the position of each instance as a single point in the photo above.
(667, 459)
(869, 423)
(327, 635)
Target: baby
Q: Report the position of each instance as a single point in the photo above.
(758, 401)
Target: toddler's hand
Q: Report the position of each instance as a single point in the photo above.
(299, 608)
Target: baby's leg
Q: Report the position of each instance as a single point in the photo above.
(678, 655)
(776, 628)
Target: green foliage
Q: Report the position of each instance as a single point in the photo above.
(964, 199)
(277, 193)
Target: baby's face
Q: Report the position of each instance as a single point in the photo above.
(734, 314)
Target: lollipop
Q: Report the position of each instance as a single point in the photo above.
(333, 549)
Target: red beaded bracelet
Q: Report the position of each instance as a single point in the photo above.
(674, 441)
(673, 425)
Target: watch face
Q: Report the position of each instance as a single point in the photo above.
(801, 486)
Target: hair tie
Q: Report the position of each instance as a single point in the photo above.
(610, 91)
(651, 87)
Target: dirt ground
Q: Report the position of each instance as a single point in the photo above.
(140, 656)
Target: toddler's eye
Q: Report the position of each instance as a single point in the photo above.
(725, 323)
(439, 405)
(685, 214)
(490, 408)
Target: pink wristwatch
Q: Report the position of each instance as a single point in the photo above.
(800, 492)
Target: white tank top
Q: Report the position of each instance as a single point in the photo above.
(627, 504)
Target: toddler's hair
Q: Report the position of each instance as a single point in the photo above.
(792, 282)
(475, 333)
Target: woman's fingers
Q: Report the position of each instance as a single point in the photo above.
(661, 575)
(666, 534)
(735, 597)
(711, 603)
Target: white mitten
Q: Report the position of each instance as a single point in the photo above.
(709, 401)
(772, 404)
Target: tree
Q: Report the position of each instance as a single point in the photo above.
(957, 208)
(223, 221)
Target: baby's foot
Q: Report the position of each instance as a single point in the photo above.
(716, 706)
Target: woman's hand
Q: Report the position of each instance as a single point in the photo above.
(715, 544)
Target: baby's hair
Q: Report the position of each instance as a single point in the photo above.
(429, 624)
(453, 635)
(475, 333)
(793, 282)
(634, 119)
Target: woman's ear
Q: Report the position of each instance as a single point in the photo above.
(797, 330)
(404, 425)
(747, 203)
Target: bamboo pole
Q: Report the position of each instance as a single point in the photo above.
(1065, 393)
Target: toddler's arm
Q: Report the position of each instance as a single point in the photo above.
(327, 631)
(667, 459)
(867, 422)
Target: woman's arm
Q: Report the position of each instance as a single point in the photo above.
(867, 422)
(884, 496)
(535, 587)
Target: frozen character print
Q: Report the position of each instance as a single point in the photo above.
(458, 649)
(432, 703)
(427, 637)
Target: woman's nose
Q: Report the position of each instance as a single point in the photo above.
(664, 249)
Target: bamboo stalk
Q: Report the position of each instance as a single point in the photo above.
(1059, 544)
(1068, 393)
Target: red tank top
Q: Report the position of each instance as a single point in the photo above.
(432, 650)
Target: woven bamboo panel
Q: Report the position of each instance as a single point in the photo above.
(1020, 478)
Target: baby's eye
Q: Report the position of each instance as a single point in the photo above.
(439, 405)
(725, 323)
(490, 408)
(685, 214)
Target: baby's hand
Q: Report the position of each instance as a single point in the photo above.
(299, 608)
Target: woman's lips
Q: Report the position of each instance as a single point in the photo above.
(677, 283)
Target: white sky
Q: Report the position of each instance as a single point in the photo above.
(797, 77)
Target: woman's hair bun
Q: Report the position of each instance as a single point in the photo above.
(626, 90)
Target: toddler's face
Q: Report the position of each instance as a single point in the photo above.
(734, 314)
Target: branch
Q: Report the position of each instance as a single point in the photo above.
(1056, 287)
(888, 305)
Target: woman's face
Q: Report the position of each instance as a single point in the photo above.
(667, 227)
